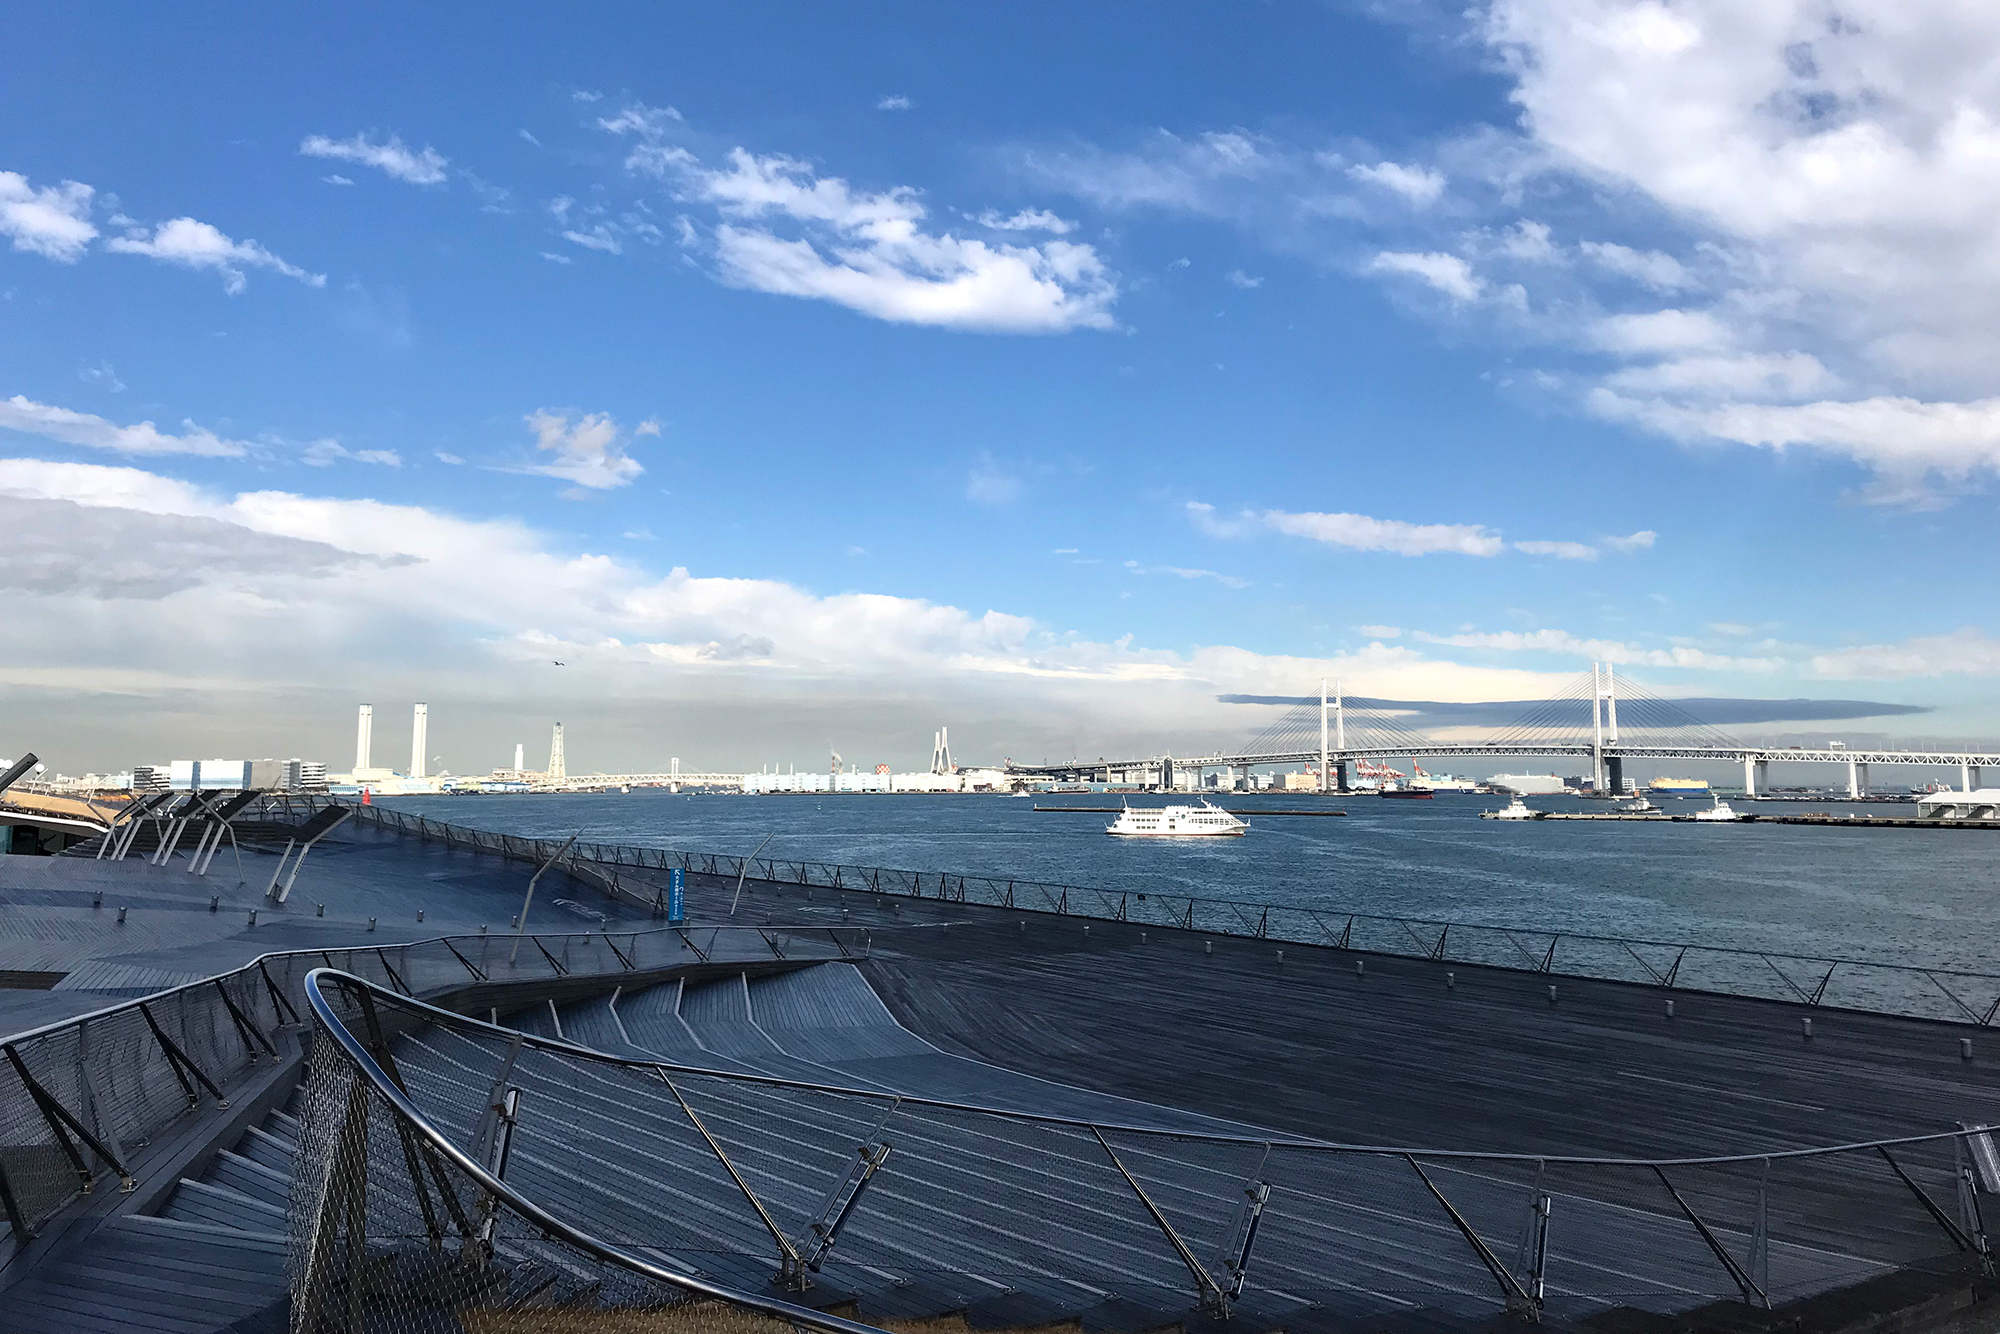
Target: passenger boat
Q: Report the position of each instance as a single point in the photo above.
(1204, 821)
(1412, 793)
(1719, 811)
(1514, 810)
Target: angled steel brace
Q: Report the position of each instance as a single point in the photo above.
(688, 941)
(1510, 1287)
(847, 1194)
(1249, 1214)
(477, 975)
(412, 1152)
(245, 1030)
(181, 1064)
(58, 1117)
(791, 1266)
(623, 958)
(1213, 1299)
(395, 979)
(554, 962)
(1752, 1294)
(279, 1004)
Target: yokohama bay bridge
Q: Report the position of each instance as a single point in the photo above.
(1582, 721)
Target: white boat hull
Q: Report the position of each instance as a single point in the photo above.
(1178, 833)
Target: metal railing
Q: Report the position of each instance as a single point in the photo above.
(657, 1170)
(1822, 981)
(78, 1096)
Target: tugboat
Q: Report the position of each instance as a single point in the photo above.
(1204, 821)
(1719, 811)
(1514, 810)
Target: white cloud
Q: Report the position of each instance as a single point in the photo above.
(51, 221)
(598, 238)
(1642, 540)
(1650, 268)
(1185, 572)
(445, 456)
(647, 123)
(327, 452)
(894, 102)
(1756, 375)
(92, 432)
(1238, 278)
(1200, 174)
(1380, 631)
(790, 231)
(337, 179)
(1559, 550)
(1026, 220)
(1419, 185)
(528, 137)
(1528, 241)
(391, 156)
(1658, 332)
(1897, 437)
(1562, 642)
(198, 245)
(1445, 273)
(1360, 532)
(990, 484)
(1967, 652)
(101, 373)
(554, 258)
(590, 450)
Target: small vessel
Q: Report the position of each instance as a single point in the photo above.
(1204, 821)
(1514, 810)
(1639, 806)
(1719, 811)
(1417, 793)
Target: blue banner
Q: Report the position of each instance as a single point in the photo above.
(676, 885)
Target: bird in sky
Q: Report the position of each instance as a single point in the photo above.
(559, 662)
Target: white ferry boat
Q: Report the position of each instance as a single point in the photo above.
(1514, 810)
(1719, 811)
(1204, 821)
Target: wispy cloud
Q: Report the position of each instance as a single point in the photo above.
(1361, 532)
(1248, 282)
(894, 102)
(326, 453)
(388, 155)
(1184, 572)
(990, 484)
(67, 427)
(1417, 184)
(589, 450)
(1436, 269)
(192, 244)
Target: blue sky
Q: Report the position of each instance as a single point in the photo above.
(790, 372)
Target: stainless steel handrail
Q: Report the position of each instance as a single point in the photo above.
(364, 1061)
(313, 982)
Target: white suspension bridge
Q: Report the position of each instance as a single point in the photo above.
(1582, 721)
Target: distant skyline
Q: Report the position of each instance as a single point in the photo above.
(788, 376)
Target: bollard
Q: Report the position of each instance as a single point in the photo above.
(214, 902)
(319, 910)
(97, 899)
(121, 915)
(420, 914)
(1806, 1026)
(1281, 957)
(253, 917)
(371, 924)
(1086, 931)
(1451, 981)
(1670, 1009)
(1552, 993)
(1142, 937)
(514, 922)
(1361, 967)
(482, 928)
(1965, 1049)
(1023, 924)
(1208, 947)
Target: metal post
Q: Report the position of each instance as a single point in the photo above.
(745, 870)
(1325, 765)
(521, 926)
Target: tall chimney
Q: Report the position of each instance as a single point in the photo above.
(520, 757)
(420, 728)
(364, 736)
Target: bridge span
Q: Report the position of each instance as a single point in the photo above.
(1580, 725)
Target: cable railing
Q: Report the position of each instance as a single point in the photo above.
(80, 1096)
(1831, 982)
(615, 1179)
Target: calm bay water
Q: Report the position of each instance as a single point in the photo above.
(1898, 895)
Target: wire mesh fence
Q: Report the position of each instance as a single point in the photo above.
(81, 1097)
(905, 1207)
(1949, 995)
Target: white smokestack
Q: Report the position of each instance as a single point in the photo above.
(520, 757)
(420, 727)
(364, 737)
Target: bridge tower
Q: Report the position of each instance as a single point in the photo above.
(1325, 769)
(1607, 774)
(558, 767)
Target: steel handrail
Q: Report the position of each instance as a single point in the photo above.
(378, 816)
(551, 1226)
(1309, 1143)
(270, 956)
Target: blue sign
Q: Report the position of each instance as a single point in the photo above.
(676, 885)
